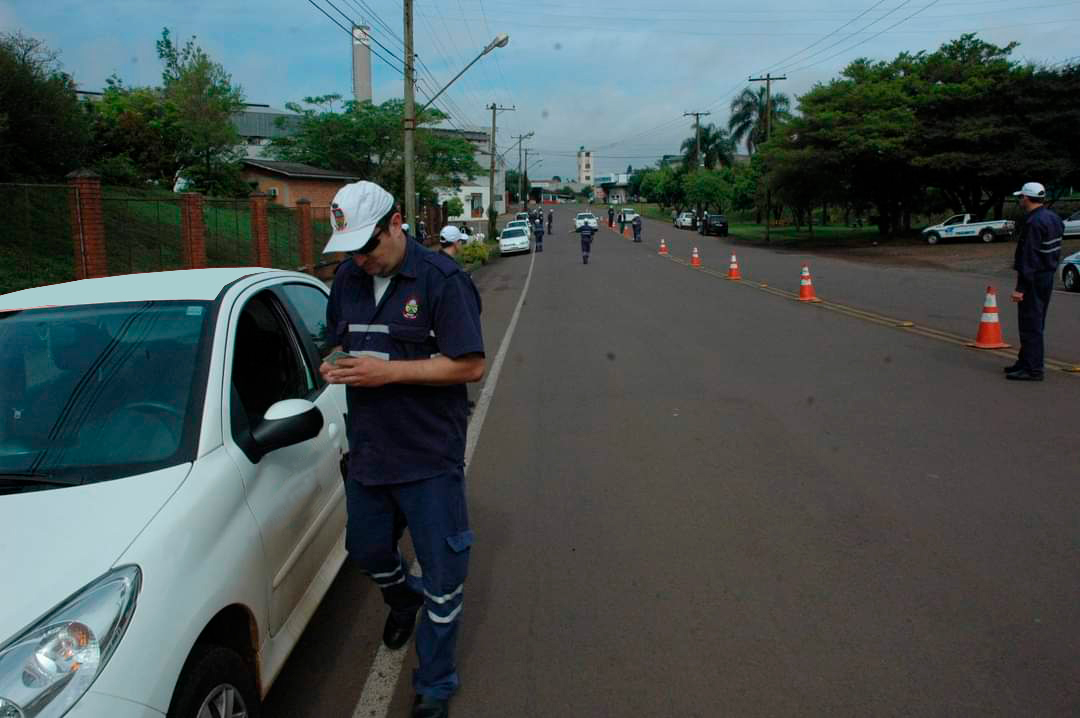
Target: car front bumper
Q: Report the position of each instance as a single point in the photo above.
(95, 705)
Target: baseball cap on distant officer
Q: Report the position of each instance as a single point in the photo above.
(449, 234)
(1032, 189)
(356, 208)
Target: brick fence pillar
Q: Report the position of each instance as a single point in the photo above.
(307, 239)
(193, 231)
(260, 230)
(87, 225)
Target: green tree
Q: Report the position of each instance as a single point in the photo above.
(717, 148)
(454, 207)
(44, 130)
(747, 121)
(707, 189)
(135, 136)
(201, 94)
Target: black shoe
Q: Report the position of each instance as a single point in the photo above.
(1011, 368)
(399, 627)
(428, 707)
(1024, 375)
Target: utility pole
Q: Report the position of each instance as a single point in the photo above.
(768, 80)
(521, 181)
(410, 121)
(520, 139)
(495, 109)
(697, 129)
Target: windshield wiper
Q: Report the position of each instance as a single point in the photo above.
(44, 479)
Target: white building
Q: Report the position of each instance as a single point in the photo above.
(584, 166)
(474, 193)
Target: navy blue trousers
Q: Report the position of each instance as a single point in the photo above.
(539, 241)
(1031, 315)
(437, 517)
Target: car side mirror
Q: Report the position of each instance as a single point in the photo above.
(287, 423)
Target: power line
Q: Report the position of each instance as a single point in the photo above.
(349, 33)
(826, 37)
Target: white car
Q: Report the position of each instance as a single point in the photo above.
(1070, 272)
(514, 239)
(1072, 225)
(171, 500)
(583, 218)
(520, 224)
(522, 215)
(685, 220)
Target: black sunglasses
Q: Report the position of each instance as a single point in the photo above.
(371, 246)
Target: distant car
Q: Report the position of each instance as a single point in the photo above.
(522, 215)
(1072, 225)
(584, 218)
(1070, 272)
(514, 239)
(715, 224)
(960, 226)
(628, 214)
(520, 224)
(174, 431)
(685, 220)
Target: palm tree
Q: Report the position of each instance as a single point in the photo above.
(717, 148)
(747, 121)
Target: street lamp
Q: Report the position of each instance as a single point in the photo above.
(500, 40)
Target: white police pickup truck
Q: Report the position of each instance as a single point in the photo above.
(960, 225)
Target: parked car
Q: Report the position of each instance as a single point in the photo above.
(170, 467)
(1070, 272)
(715, 224)
(1072, 225)
(514, 239)
(522, 215)
(685, 220)
(960, 225)
(520, 224)
(583, 218)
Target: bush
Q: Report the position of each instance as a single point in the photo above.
(474, 252)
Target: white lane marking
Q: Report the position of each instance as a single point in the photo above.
(386, 668)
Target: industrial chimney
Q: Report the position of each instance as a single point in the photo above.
(361, 63)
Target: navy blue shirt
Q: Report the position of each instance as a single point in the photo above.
(1039, 246)
(586, 231)
(406, 432)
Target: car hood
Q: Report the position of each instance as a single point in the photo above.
(56, 541)
(1074, 258)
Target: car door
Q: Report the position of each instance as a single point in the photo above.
(295, 493)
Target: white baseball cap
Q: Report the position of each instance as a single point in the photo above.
(1032, 189)
(404, 227)
(449, 234)
(353, 214)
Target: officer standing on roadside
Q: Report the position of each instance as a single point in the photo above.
(538, 230)
(410, 319)
(1038, 253)
(586, 231)
(610, 216)
(635, 223)
(551, 220)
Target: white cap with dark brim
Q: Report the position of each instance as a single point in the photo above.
(356, 209)
(1032, 189)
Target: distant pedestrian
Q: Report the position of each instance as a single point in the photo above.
(610, 216)
(636, 225)
(538, 231)
(586, 231)
(675, 217)
(551, 220)
(622, 222)
(1038, 253)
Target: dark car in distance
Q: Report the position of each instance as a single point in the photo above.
(715, 224)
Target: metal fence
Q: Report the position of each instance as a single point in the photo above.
(36, 237)
(142, 235)
(227, 223)
(283, 228)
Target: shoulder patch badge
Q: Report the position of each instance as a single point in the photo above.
(412, 309)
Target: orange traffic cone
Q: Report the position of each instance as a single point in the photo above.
(733, 268)
(626, 232)
(695, 260)
(989, 336)
(806, 286)
(663, 247)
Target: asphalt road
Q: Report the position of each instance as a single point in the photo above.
(695, 497)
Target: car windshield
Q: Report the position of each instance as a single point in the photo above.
(717, 218)
(513, 233)
(955, 219)
(95, 392)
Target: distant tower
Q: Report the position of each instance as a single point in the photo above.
(584, 166)
(361, 63)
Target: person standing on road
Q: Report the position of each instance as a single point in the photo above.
(610, 216)
(586, 231)
(410, 319)
(538, 231)
(551, 220)
(1038, 253)
(622, 223)
(636, 224)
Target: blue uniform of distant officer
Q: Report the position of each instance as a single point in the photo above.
(1038, 253)
(538, 230)
(586, 231)
(410, 319)
(636, 224)
(551, 220)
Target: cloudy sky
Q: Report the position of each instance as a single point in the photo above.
(614, 77)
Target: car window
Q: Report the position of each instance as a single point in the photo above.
(100, 391)
(267, 363)
(310, 304)
(513, 232)
(955, 219)
(1075, 216)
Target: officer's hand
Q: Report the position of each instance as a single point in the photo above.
(360, 371)
(1018, 297)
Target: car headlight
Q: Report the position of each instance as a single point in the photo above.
(45, 669)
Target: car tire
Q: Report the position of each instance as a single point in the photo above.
(933, 238)
(986, 236)
(1071, 279)
(212, 674)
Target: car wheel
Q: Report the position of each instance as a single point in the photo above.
(215, 682)
(1071, 279)
(933, 238)
(987, 236)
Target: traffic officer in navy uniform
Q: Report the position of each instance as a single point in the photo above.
(1038, 253)
(635, 223)
(586, 231)
(410, 320)
(610, 216)
(551, 220)
(538, 231)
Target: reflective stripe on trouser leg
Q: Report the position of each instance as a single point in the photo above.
(373, 526)
(439, 527)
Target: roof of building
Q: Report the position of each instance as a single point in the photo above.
(261, 121)
(298, 170)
